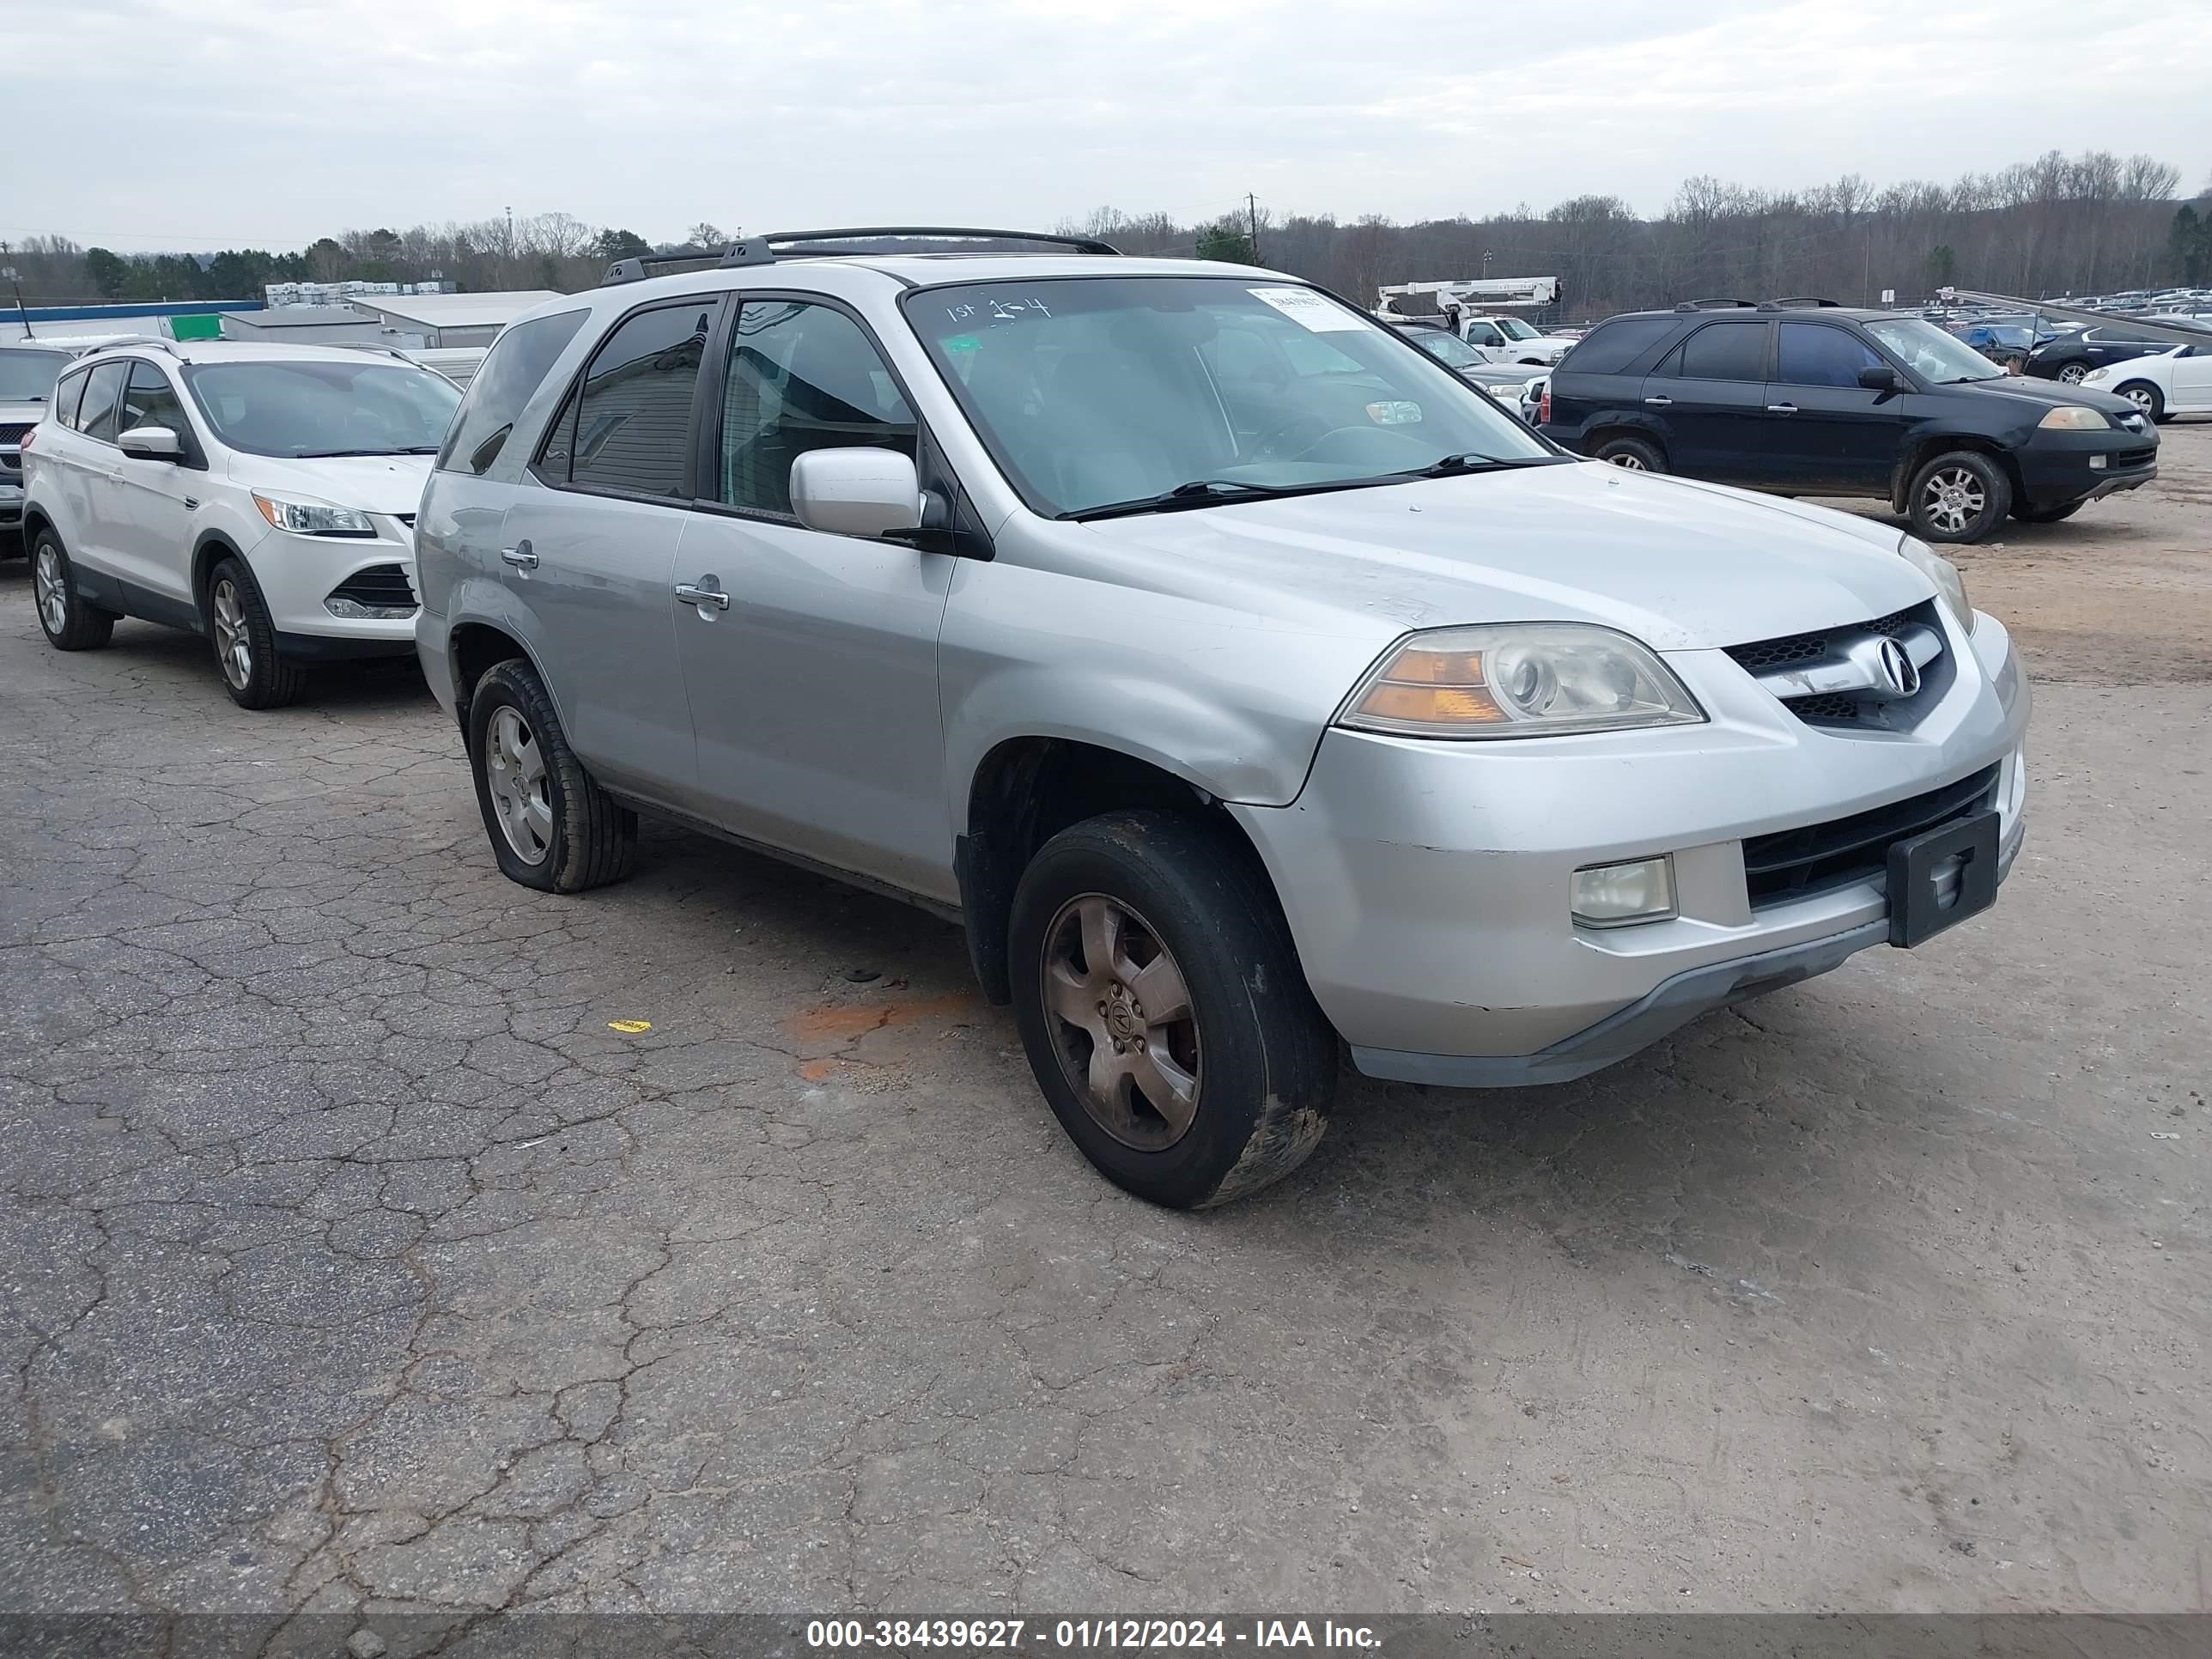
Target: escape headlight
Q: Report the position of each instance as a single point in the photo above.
(303, 515)
(1517, 680)
(1945, 574)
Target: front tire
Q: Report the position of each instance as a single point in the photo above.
(70, 622)
(552, 827)
(1630, 454)
(1163, 1009)
(246, 641)
(2146, 398)
(1961, 496)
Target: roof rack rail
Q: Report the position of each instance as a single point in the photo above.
(803, 244)
(371, 345)
(1799, 302)
(1714, 305)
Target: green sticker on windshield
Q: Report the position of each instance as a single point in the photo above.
(963, 343)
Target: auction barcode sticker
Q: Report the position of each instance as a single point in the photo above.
(1315, 311)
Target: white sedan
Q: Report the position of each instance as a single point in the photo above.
(2176, 382)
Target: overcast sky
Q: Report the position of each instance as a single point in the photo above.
(201, 124)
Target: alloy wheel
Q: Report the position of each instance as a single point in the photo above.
(1628, 461)
(1954, 499)
(2072, 373)
(515, 771)
(52, 589)
(2141, 398)
(234, 640)
(1122, 1022)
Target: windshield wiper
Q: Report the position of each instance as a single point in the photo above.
(333, 454)
(1452, 465)
(1203, 492)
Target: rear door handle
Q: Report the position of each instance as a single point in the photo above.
(692, 593)
(1782, 409)
(1660, 402)
(520, 556)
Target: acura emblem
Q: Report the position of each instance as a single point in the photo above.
(1898, 668)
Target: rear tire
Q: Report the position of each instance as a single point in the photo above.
(2146, 398)
(1630, 454)
(1960, 496)
(1147, 905)
(552, 827)
(70, 622)
(246, 641)
(2072, 373)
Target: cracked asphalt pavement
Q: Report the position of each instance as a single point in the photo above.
(354, 1262)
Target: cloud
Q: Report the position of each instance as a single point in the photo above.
(236, 121)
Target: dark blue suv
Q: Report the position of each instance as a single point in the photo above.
(1805, 397)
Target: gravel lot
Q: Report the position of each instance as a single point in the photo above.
(351, 1259)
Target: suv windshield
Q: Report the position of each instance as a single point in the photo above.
(1515, 329)
(1941, 358)
(305, 408)
(1139, 392)
(28, 377)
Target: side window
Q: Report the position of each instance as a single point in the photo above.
(96, 416)
(66, 397)
(633, 405)
(1726, 351)
(1484, 334)
(517, 364)
(1611, 347)
(801, 377)
(149, 399)
(1811, 354)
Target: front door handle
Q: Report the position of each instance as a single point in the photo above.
(693, 593)
(1660, 402)
(520, 556)
(1782, 409)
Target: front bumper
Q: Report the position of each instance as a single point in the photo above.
(2058, 467)
(1427, 884)
(298, 573)
(11, 503)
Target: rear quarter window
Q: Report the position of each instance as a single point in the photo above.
(1611, 347)
(517, 363)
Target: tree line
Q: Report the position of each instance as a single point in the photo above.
(2083, 224)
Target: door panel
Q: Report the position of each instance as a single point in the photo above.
(2192, 380)
(90, 466)
(606, 632)
(1710, 395)
(1825, 431)
(153, 533)
(813, 685)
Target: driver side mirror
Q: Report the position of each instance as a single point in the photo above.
(856, 492)
(151, 443)
(1879, 377)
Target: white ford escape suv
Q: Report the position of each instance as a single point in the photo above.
(1250, 687)
(262, 495)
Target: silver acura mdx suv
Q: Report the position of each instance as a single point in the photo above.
(1249, 686)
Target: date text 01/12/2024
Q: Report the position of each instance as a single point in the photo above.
(1084, 1633)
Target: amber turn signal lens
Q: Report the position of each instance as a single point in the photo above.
(1435, 705)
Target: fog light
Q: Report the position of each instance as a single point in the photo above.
(1618, 895)
(354, 610)
(2097, 463)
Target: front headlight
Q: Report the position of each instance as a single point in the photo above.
(2096, 376)
(303, 515)
(1517, 680)
(2075, 419)
(1945, 574)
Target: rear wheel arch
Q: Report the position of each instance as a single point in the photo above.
(1028, 789)
(476, 647)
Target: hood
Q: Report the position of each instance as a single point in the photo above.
(1678, 564)
(390, 484)
(2046, 394)
(21, 414)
